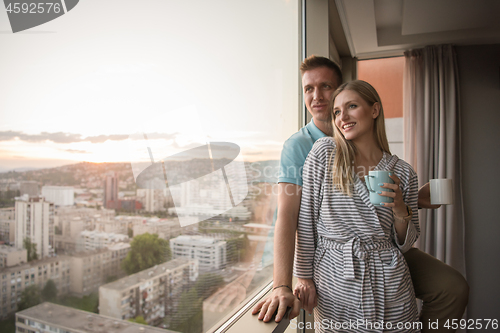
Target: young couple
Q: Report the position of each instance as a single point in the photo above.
(353, 260)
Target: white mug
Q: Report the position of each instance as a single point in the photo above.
(441, 191)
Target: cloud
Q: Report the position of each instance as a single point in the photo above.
(76, 151)
(103, 138)
(61, 137)
(166, 136)
(58, 137)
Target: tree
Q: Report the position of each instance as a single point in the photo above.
(130, 233)
(49, 292)
(189, 315)
(111, 278)
(138, 320)
(207, 284)
(31, 248)
(88, 303)
(29, 297)
(236, 248)
(146, 250)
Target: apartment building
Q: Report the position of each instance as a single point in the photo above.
(64, 217)
(35, 220)
(210, 252)
(59, 195)
(7, 225)
(91, 269)
(151, 293)
(154, 200)
(49, 317)
(15, 279)
(92, 240)
(131, 221)
(165, 229)
(11, 256)
(7, 231)
(71, 221)
(8, 213)
(113, 225)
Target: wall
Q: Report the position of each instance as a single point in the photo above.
(479, 69)
(386, 76)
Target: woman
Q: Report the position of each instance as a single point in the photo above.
(351, 249)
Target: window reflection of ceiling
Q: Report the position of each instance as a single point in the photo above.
(377, 28)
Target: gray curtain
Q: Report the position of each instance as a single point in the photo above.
(432, 145)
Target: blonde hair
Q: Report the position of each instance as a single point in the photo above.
(343, 162)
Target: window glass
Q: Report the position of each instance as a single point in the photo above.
(152, 130)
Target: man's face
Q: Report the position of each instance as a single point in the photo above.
(319, 85)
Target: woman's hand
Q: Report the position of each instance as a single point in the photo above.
(398, 206)
(280, 299)
(305, 290)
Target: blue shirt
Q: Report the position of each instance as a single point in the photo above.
(295, 151)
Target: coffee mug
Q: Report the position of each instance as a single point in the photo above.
(441, 191)
(372, 180)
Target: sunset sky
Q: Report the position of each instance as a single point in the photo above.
(74, 89)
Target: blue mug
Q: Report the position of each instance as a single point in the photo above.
(372, 180)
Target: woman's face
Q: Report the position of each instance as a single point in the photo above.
(354, 117)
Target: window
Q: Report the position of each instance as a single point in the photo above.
(386, 76)
(224, 71)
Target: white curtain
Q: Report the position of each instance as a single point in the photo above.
(432, 144)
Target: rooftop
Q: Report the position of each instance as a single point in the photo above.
(257, 225)
(112, 247)
(194, 240)
(81, 321)
(146, 274)
(9, 249)
(35, 263)
(51, 187)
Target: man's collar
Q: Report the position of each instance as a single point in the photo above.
(316, 133)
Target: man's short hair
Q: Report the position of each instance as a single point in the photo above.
(313, 62)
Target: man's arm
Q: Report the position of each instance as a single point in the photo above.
(284, 247)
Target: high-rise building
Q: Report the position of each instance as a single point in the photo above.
(35, 220)
(7, 225)
(153, 200)
(59, 195)
(110, 190)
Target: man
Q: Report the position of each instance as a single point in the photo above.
(443, 290)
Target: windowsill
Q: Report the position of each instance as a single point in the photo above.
(242, 319)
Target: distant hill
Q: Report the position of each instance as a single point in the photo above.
(91, 175)
(18, 169)
(82, 174)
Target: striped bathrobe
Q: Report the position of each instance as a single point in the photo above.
(349, 248)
